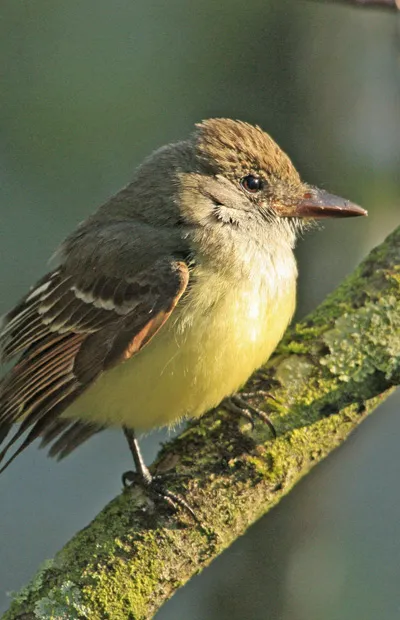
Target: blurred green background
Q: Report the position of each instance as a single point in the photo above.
(87, 90)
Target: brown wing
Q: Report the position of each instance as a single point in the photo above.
(67, 331)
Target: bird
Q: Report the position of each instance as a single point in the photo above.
(165, 300)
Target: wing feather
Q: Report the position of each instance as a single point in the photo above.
(67, 331)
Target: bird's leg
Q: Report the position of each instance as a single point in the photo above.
(152, 484)
(238, 405)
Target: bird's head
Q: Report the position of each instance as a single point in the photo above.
(231, 179)
(244, 174)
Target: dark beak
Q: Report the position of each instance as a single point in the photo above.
(318, 204)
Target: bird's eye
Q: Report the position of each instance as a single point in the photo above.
(251, 183)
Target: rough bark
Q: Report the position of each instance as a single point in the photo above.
(331, 370)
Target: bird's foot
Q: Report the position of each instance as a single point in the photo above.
(237, 404)
(155, 487)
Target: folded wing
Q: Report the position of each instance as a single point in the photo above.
(67, 331)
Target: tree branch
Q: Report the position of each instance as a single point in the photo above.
(380, 4)
(332, 369)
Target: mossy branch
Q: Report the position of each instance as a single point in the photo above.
(331, 370)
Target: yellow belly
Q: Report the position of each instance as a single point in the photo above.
(204, 352)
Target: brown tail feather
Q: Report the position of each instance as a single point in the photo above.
(73, 437)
